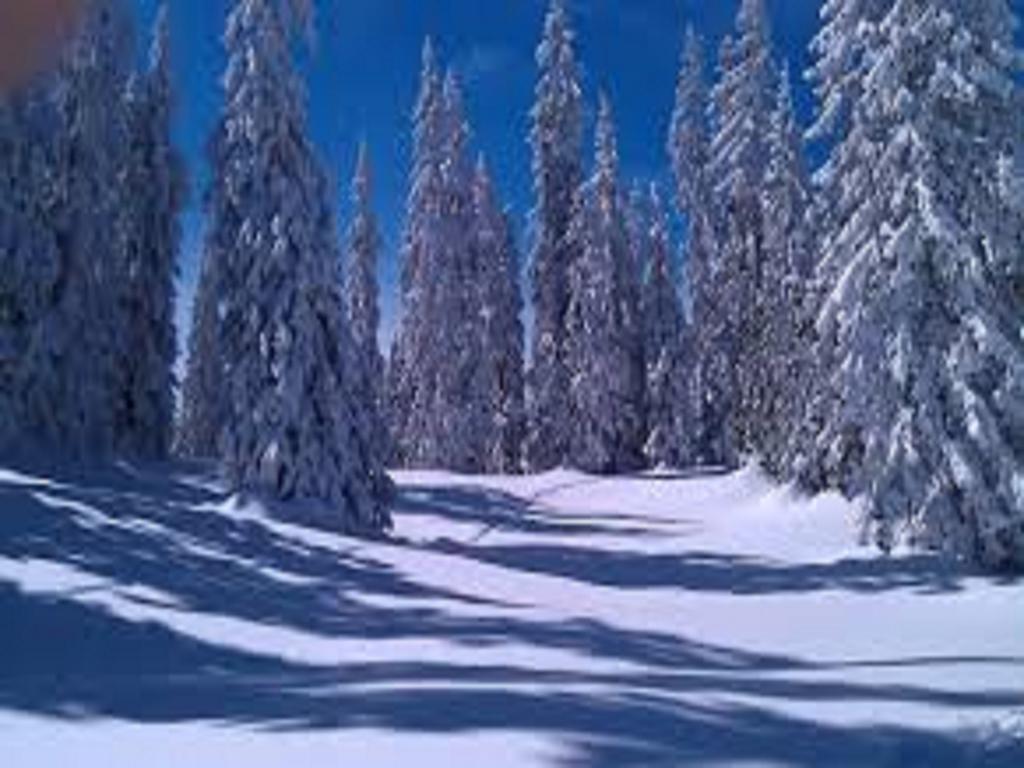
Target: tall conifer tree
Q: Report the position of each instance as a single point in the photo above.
(155, 178)
(297, 424)
(556, 138)
(607, 425)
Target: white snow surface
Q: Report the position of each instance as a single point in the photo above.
(554, 620)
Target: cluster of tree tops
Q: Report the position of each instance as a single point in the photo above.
(860, 328)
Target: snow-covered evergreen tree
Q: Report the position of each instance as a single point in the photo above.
(556, 138)
(436, 401)
(362, 292)
(410, 407)
(668, 420)
(742, 102)
(64, 325)
(18, 298)
(710, 377)
(845, 220)
(297, 425)
(783, 360)
(606, 432)
(29, 271)
(501, 370)
(154, 178)
(88, 326)
(930, 357)
(842, 49)
(637, 217)
(459, 398)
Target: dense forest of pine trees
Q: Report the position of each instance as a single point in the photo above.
(859, 326)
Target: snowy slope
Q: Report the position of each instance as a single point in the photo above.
(557, 620)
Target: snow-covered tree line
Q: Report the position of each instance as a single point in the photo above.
(90, 190)
(455, 382)
(277, 387)
(920, 322)
(863, 331)
(857, 328)
(607, 313)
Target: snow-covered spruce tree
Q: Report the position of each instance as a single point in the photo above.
(501, 367)
(87, 325)
(435, 390)
(460, 399)
(607, 426)
(409, 375)
(296, 427)
(843, 220)
(155, 180)
(689, 150)
(784, 357)
(362, 291)
(637, 216)
(18, 294)
(667, 403)
(742, 102)
(842, 49)
(29, 270)
(557, 141)
(930, 362)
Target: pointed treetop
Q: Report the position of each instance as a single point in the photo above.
(753, 19)
(655, 204)
(429, 78)
(785, 130)
(428, 102)
(688, 142)
(429, 57)
(557, 22)
(557, 134)
(159, 52)
(691, 88)
(483, 186)
(362, 184)
(556, 48)
(785, 126)
(606, 142)
(693, 51)
(482, 173)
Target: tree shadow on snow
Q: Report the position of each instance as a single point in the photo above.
(695, 570)
(65, 654)
(492, 509)
(698, 571)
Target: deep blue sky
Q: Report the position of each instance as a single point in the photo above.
(363, 80)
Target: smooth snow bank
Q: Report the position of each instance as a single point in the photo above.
(556, 620)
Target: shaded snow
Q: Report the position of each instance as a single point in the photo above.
(556, 620)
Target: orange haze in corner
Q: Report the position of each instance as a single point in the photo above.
(31, 33)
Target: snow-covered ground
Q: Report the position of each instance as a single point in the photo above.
(558, 620)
